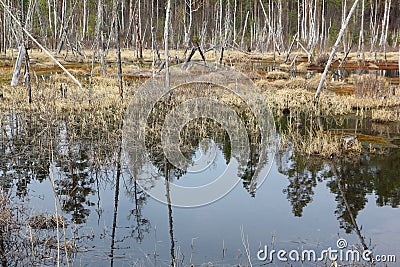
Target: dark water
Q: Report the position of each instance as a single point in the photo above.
(305, 203)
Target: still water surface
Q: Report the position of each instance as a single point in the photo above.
(305, 203)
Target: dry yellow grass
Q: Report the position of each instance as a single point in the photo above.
(281, 92)
(320, 144)
(302, 67)
(277, 75)
(386, 115)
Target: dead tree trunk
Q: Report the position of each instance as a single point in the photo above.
(361, 38)
(84, 19)
(244, 29)
(99, 34)
(152, 37)
(28, 76)
(234, 23)
(18, 64)
(221, 56)
(118, 46)
(139, 40)
(166, 37)
(373, 25)
(290, 48)
(334, 48)
(131, 13)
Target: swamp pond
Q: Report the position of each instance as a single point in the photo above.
(304, 203)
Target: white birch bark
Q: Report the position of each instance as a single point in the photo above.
(361, 38)
(334, 48)
(18, 64)
(382, 39)
(244, 29)
(234, 22)
(166, 37)
(84, 19)
(55, 20)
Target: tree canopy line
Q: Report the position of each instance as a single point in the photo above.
(262, 25)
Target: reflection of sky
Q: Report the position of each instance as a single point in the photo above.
(206, 175)
(218, 225)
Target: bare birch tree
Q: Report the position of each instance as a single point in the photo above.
(99, 32)
(115, 12)
(166, 38)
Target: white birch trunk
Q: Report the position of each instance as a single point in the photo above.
(387, 25)
(334, 48)
(123, 15)
(18, 64)
(100, 35)
(84, 19)
(322, 38)
(55, 20)
(361, 38)
(344, 11)
(382, 40)
(299, 19)
(244, 29)
(166, 37)
(220, 20)
(49, 11)
(234, 22)
(152, 39)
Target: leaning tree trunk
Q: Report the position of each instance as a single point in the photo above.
(334, 48)
(18, 64)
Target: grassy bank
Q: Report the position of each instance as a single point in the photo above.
(55, 95)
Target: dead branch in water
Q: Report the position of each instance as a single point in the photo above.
(40, 46)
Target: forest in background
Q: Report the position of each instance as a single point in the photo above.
(265, 26)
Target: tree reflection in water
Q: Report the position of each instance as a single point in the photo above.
(349, 180)
(84, 155)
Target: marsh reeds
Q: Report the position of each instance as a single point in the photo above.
(56, 123)
(370, 85)
(384, 115)
(26, 238)
(308, 139)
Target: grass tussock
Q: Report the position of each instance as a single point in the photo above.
(298, 93)
(385, 115)
(293, 94)
(277, 75)
(370, 85)
(24, 245)
(321, 144)
(302, 67)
